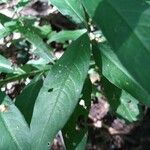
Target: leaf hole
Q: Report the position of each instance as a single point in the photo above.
(49, 144)
(50, 90)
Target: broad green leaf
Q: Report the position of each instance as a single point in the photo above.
(60, 93)
(70, 8)
(122, 103)
(14, 131)
(115, 72)
(125, 24)
(26, 100)
(76, 139)
(63, 36)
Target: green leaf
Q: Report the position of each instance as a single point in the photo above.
(71, 8)
(26, 100)
(42, 50)
(14, 130)
(115, 72)
(76, 139)
(83, 142)
(72, 136)
(30, 33)
(21, 4)
(4, 19)
(6, 66)
(125, 24)
(60, 93)
(122, 103)
(4, 32)
(39, 63)
(129, 108)
(44, 30)
(6, 26)
(63, 36)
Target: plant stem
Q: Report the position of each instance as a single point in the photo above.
(22, 76)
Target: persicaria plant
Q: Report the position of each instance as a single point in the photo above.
(48, 67)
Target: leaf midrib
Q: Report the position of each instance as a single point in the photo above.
(62, 85)
(57, 100)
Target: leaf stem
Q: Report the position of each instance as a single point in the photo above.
(21, 76)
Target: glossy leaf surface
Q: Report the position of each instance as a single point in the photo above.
(60, 93)
(125, 24)
(115, 72)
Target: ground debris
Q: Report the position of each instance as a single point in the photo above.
(3, 108)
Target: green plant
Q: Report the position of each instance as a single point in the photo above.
(43, 108)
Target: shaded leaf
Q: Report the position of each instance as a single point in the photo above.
(115, 72)
(4, 19)
(75, 131)
(14, 130)
(125, 24)
(122, 103)
(26, 100)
